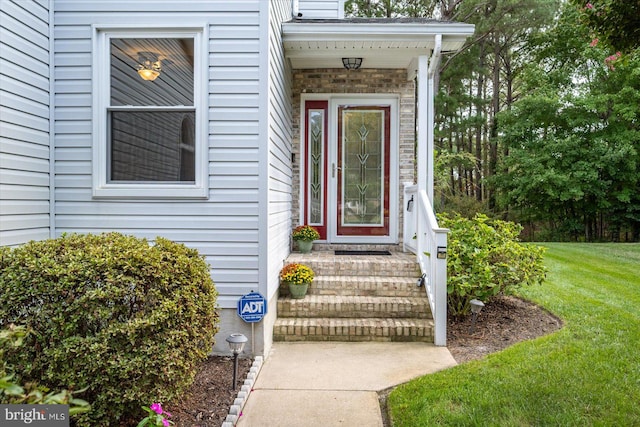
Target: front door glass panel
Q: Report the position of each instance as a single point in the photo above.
(363, 170)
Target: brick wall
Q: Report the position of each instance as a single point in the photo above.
(369, 81)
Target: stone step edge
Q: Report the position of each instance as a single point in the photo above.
(387, 330)
(339, 281)
(294, 314)
(373, 270)
(350, 306)
(426, 315)
(427, 322)
(351, 322)
(368, 286)
(366, 278)
(366, 266)
(368, 299)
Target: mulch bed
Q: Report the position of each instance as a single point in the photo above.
(501, 323)
(207, 402)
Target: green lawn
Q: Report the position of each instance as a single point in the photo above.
(586, 374)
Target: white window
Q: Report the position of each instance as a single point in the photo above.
(150, 132)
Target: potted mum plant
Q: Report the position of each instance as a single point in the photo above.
(297, 277)
(305, 235)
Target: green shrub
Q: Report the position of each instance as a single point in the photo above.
(126, 319)
(485, 259)
(12, 392)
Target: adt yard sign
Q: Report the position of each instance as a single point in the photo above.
(252, 307)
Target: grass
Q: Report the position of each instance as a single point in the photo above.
(586, 374)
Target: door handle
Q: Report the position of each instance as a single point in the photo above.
(333, 170)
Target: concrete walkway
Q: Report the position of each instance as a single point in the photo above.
(333, 383)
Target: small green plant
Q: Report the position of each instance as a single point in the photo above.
(485, 258)
(157, 416)
(297, 274)
(306, 233)
(125, 318)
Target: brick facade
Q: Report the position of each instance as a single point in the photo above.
(364, 81)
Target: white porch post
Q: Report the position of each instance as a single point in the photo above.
(426, 94)
(426, 223)
(433, 66)
(422, 132)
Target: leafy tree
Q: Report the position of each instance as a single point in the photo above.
(536, 120)
(479, 82)
(401, 8)
(616, 22)
(574, 140)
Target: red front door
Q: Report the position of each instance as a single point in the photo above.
(347, 166)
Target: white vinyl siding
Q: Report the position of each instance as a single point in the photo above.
(280, 139)
(321, 9)
(224, 226)
(24, 122)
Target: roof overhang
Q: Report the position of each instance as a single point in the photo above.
(381, 43)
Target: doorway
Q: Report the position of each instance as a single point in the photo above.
(349, 174)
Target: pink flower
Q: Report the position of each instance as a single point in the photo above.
(589, 6)
(168, 414)
(594, 42)
(157, 408)
(165, 423)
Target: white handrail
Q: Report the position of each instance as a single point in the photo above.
(428, 241)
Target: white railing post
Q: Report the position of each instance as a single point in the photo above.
(431, 239)
(439, 263)
(431, 255)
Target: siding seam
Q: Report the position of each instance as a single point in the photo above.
(52, 122)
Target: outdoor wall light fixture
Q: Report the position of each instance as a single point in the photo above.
(236, 345)
(149, 66)
(352, 63)
(476, 307)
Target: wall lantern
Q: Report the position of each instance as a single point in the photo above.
(352, 63)
(149, 65)
(236, 345)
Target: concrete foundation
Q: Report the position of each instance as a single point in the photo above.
(260, 334)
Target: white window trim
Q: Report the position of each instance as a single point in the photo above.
(102, 188)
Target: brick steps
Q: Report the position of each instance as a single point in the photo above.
(353, 329)
(354, 306)
(367, 285)
(327, 264)
(356, 298)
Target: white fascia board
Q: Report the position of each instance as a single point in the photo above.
(321, 31)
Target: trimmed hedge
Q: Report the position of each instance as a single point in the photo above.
(485, 258)
(127, 318)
